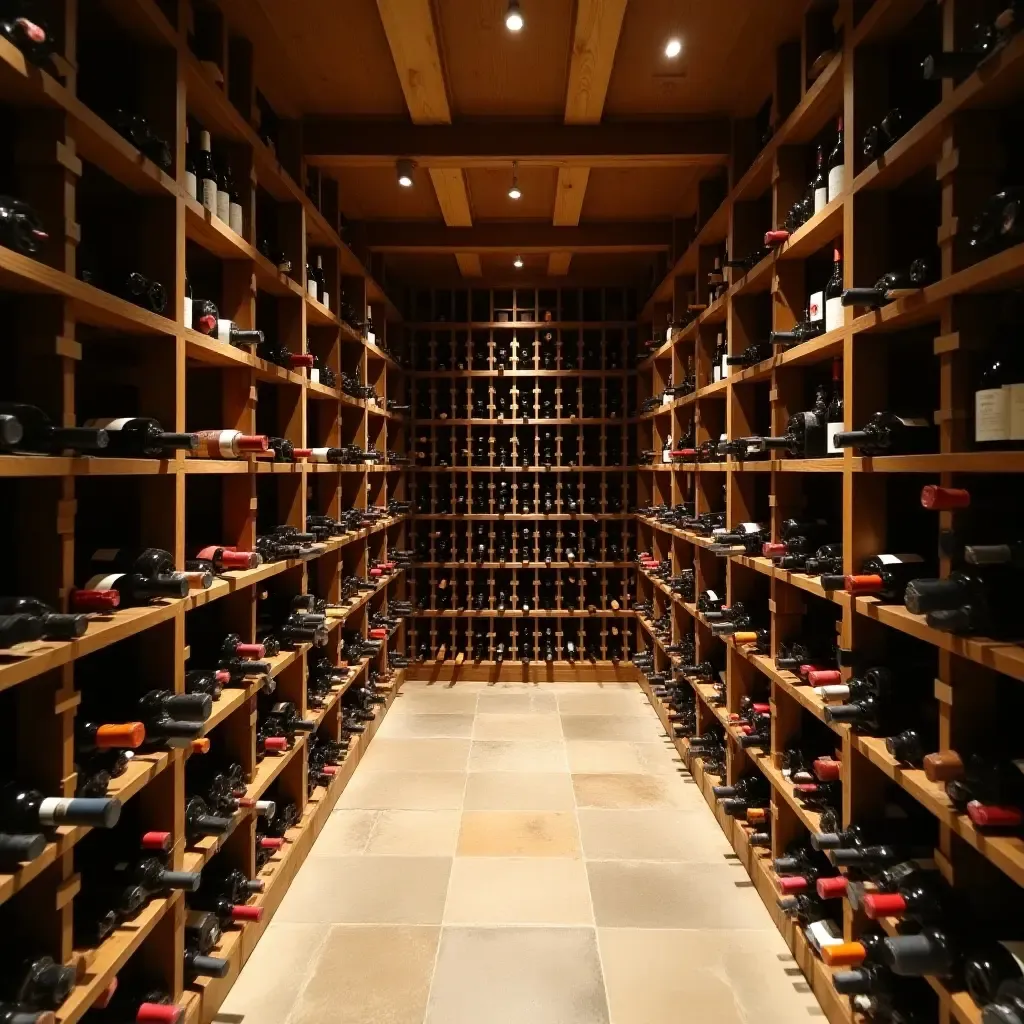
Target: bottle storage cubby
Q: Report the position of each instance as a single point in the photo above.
(826, 614)
(203, 461)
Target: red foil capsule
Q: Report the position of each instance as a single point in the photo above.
(159, 1013)
(275, 744)
(792, 884)
(831, 888)
(162, 841)
(944, 499)
(884, 904)
(993, 816)
(246, 913)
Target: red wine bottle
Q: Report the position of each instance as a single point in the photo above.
(20, 226)
(207, 173)
(40, 435)
(886, 433)
(24, 811)
(133, 436)
(837, 166)
(883, 576)
(834, 315)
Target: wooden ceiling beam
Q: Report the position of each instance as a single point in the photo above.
(412, 38)
(685, 142)
(558, 264)
(469, 264)
(569, 194)
(517, 236)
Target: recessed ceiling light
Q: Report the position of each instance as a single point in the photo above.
(518, 263)
(404, 169)
(514, 17)
(673, 48)
(515, 192)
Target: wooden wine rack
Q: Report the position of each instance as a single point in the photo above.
(521, 321)
(73, 346)
(924, 192)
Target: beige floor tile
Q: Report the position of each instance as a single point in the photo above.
(402, 755)
(720, 979)
(606, 757)
(519, 791)
(651, 894)
(518, 890)
(274, 975)
(501, 702)
(529, 726)
(427, 701)
(616, 702)
(652, 835)
(517, 976)
(370, 975)
(426, 727)
(411, 791)
(368, 890)
(518, 834)
(610, 727)
(625, 791)
(415, 834)
(518, 756)
(346, 832)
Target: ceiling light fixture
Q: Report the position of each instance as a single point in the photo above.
(514, 17)
(518, 263)
(515, 192)
(404, 168)
(673, 48)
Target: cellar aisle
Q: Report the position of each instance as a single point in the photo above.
(521, 855)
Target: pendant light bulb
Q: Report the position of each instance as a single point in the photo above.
(515, 192)
(404, 169)
(514, 17)
(518, 263)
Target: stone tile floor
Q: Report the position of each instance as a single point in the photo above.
(519, 854)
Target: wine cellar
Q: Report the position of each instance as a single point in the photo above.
(366, 400)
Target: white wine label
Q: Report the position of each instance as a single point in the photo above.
(224, 331)
(899, 559)
(666, 398)
(725, 366)
(235, 218)
(1016, 406)
(102, 424)
(913, 421)
(187, 316)
(823, 933)
(224, 205)
(314, 375)
(816, 306)
(53, 809)
(210, 194)
(820, 199)
(371, 338)
(190, 184)
(836, 181)
(992, 414)
(319, 454)
(225, 444)
(311, 287)
(716, 373)
(831, 430)
(666, 455)
(712, 596)
(105, 554)
(834, 314)
(748, 528)
(103, 581)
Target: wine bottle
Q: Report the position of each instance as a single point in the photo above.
(206, 173)
(231, 334)
(221, 559)
(835, 416)
(888, 285)
(37, 983)
(105, 591)
(51, 625)
(191, 179)
(236, 218)
(27, 811)
(887, 433)
(837, 166)
(22, 26)
(834, 315)
(883, 576)
(224, 194)
(999, 402)
(820, 182)
(229, 444)
(38, 434)
(20, 226)
(132, 436)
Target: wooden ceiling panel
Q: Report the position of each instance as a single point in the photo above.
(493, 72)
(335, 54)
(488, 193)
(726, 63)
(497, 270)
(373, 193)
(641, 193)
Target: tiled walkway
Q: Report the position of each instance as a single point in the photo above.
(521, 855)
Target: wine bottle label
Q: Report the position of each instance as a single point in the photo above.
(314, 375)
(820, 199)
(224, 330)
(913, 421)
(1016, 950)
(224, 205)
(235, 217)
(210, 194)
(109, 424)
(319, 454)
(834, 313)
(816, 306)
(311, 287)
(326, 300)
(716, 373)
(821, 934)
(712, 597)
(187, 312)
(898, 559)
(836, 181)
(992, 414)
(103, 582)
(216, 444)
(725, 365)
(1016, 411)
(830, 432)
(190, 184)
